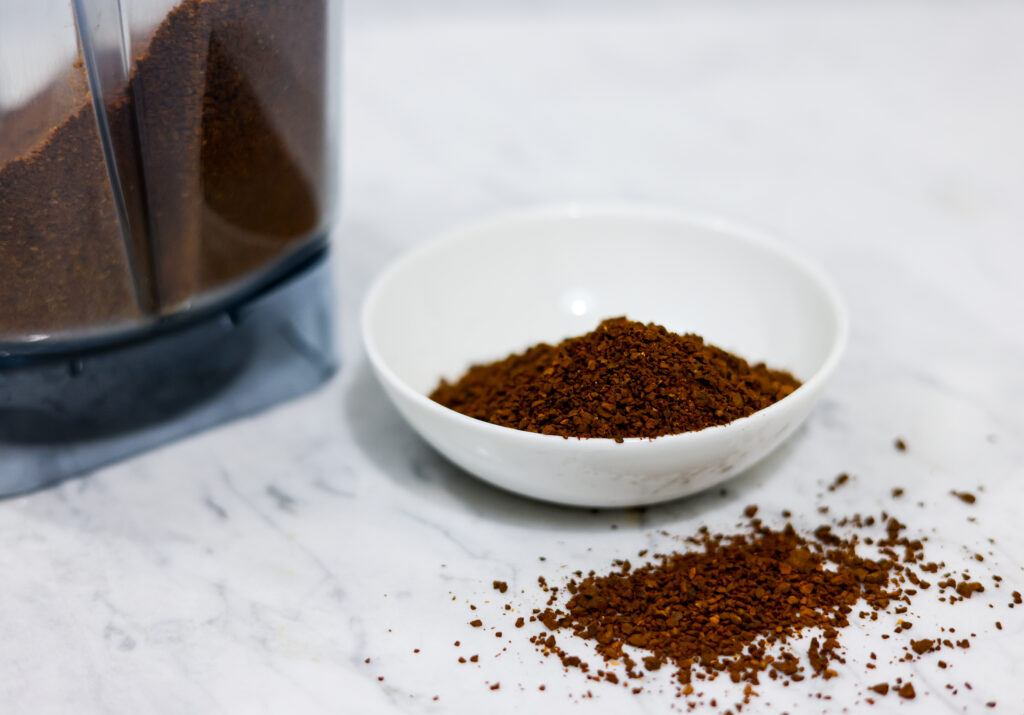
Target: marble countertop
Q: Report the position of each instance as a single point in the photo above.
(254, 568)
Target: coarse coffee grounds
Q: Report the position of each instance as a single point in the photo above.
(768, 601)
(625, 379)
(760, 603)
(220, 137)
(721, 607)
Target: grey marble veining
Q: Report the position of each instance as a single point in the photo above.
(253, 568)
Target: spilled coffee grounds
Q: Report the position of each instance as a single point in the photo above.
(752, 619)
(763, 602)
(722, 606)
(624, 379)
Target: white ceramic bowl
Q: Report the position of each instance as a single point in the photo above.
(499, 286)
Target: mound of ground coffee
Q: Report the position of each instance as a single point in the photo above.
(721, 607)
(624, 379)
(714, 616)
(763, 602)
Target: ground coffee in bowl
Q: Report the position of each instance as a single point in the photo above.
(623, 379)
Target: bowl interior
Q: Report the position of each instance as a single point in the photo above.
(504, 285)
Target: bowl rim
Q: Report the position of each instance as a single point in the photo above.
(618, 209)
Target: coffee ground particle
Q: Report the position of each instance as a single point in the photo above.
(836, 483)
(907, 691)
(625, 379)
(900, 444)
(965, 497)
(476, 623)
(500, 586)
(922, 646)
(881, 688)
(966, 589)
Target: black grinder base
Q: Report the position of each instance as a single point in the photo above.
(62, 415)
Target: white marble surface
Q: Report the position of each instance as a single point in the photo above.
(254, 568)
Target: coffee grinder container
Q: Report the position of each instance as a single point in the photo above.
(167, 188)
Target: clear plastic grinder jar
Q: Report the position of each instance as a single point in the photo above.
(167, 181)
